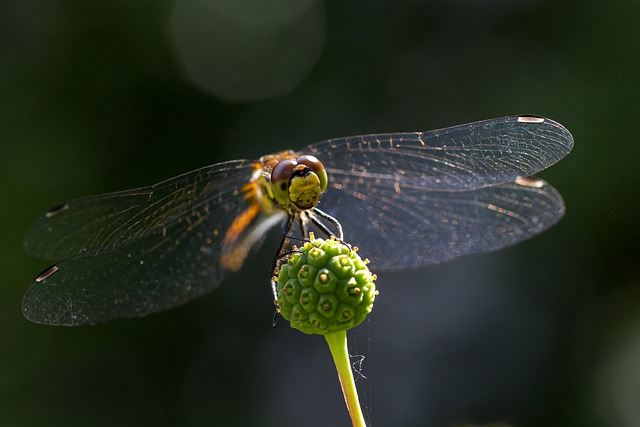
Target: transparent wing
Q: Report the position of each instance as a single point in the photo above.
(418, 227)
(158, 252)
(461, 157)
(414, 199)
(103, 223)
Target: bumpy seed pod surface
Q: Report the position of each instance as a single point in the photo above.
(325, 287)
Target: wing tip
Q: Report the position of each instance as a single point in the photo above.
(566, 136)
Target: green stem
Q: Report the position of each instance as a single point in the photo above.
(338, 345)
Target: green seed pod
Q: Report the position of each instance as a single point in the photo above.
(325, 287)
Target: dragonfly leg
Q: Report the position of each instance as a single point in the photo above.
(312, 216)
(303, 227)
(303, 224)
(276, 263)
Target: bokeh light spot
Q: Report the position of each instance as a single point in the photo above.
(247, 50)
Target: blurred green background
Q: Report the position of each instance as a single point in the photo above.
(105, 96)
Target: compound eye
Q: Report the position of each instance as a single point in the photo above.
(282, 171)
(316, 167)
(280, 177)
(311, 162)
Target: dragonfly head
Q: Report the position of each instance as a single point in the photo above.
(300, 182)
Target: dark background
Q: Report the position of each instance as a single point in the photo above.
(104, 96)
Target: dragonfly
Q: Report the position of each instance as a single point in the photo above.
(409, 199)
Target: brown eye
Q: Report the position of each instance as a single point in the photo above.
(311, 162)
(316, 167)
(282, 172)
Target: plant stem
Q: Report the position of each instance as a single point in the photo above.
(338, 345)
